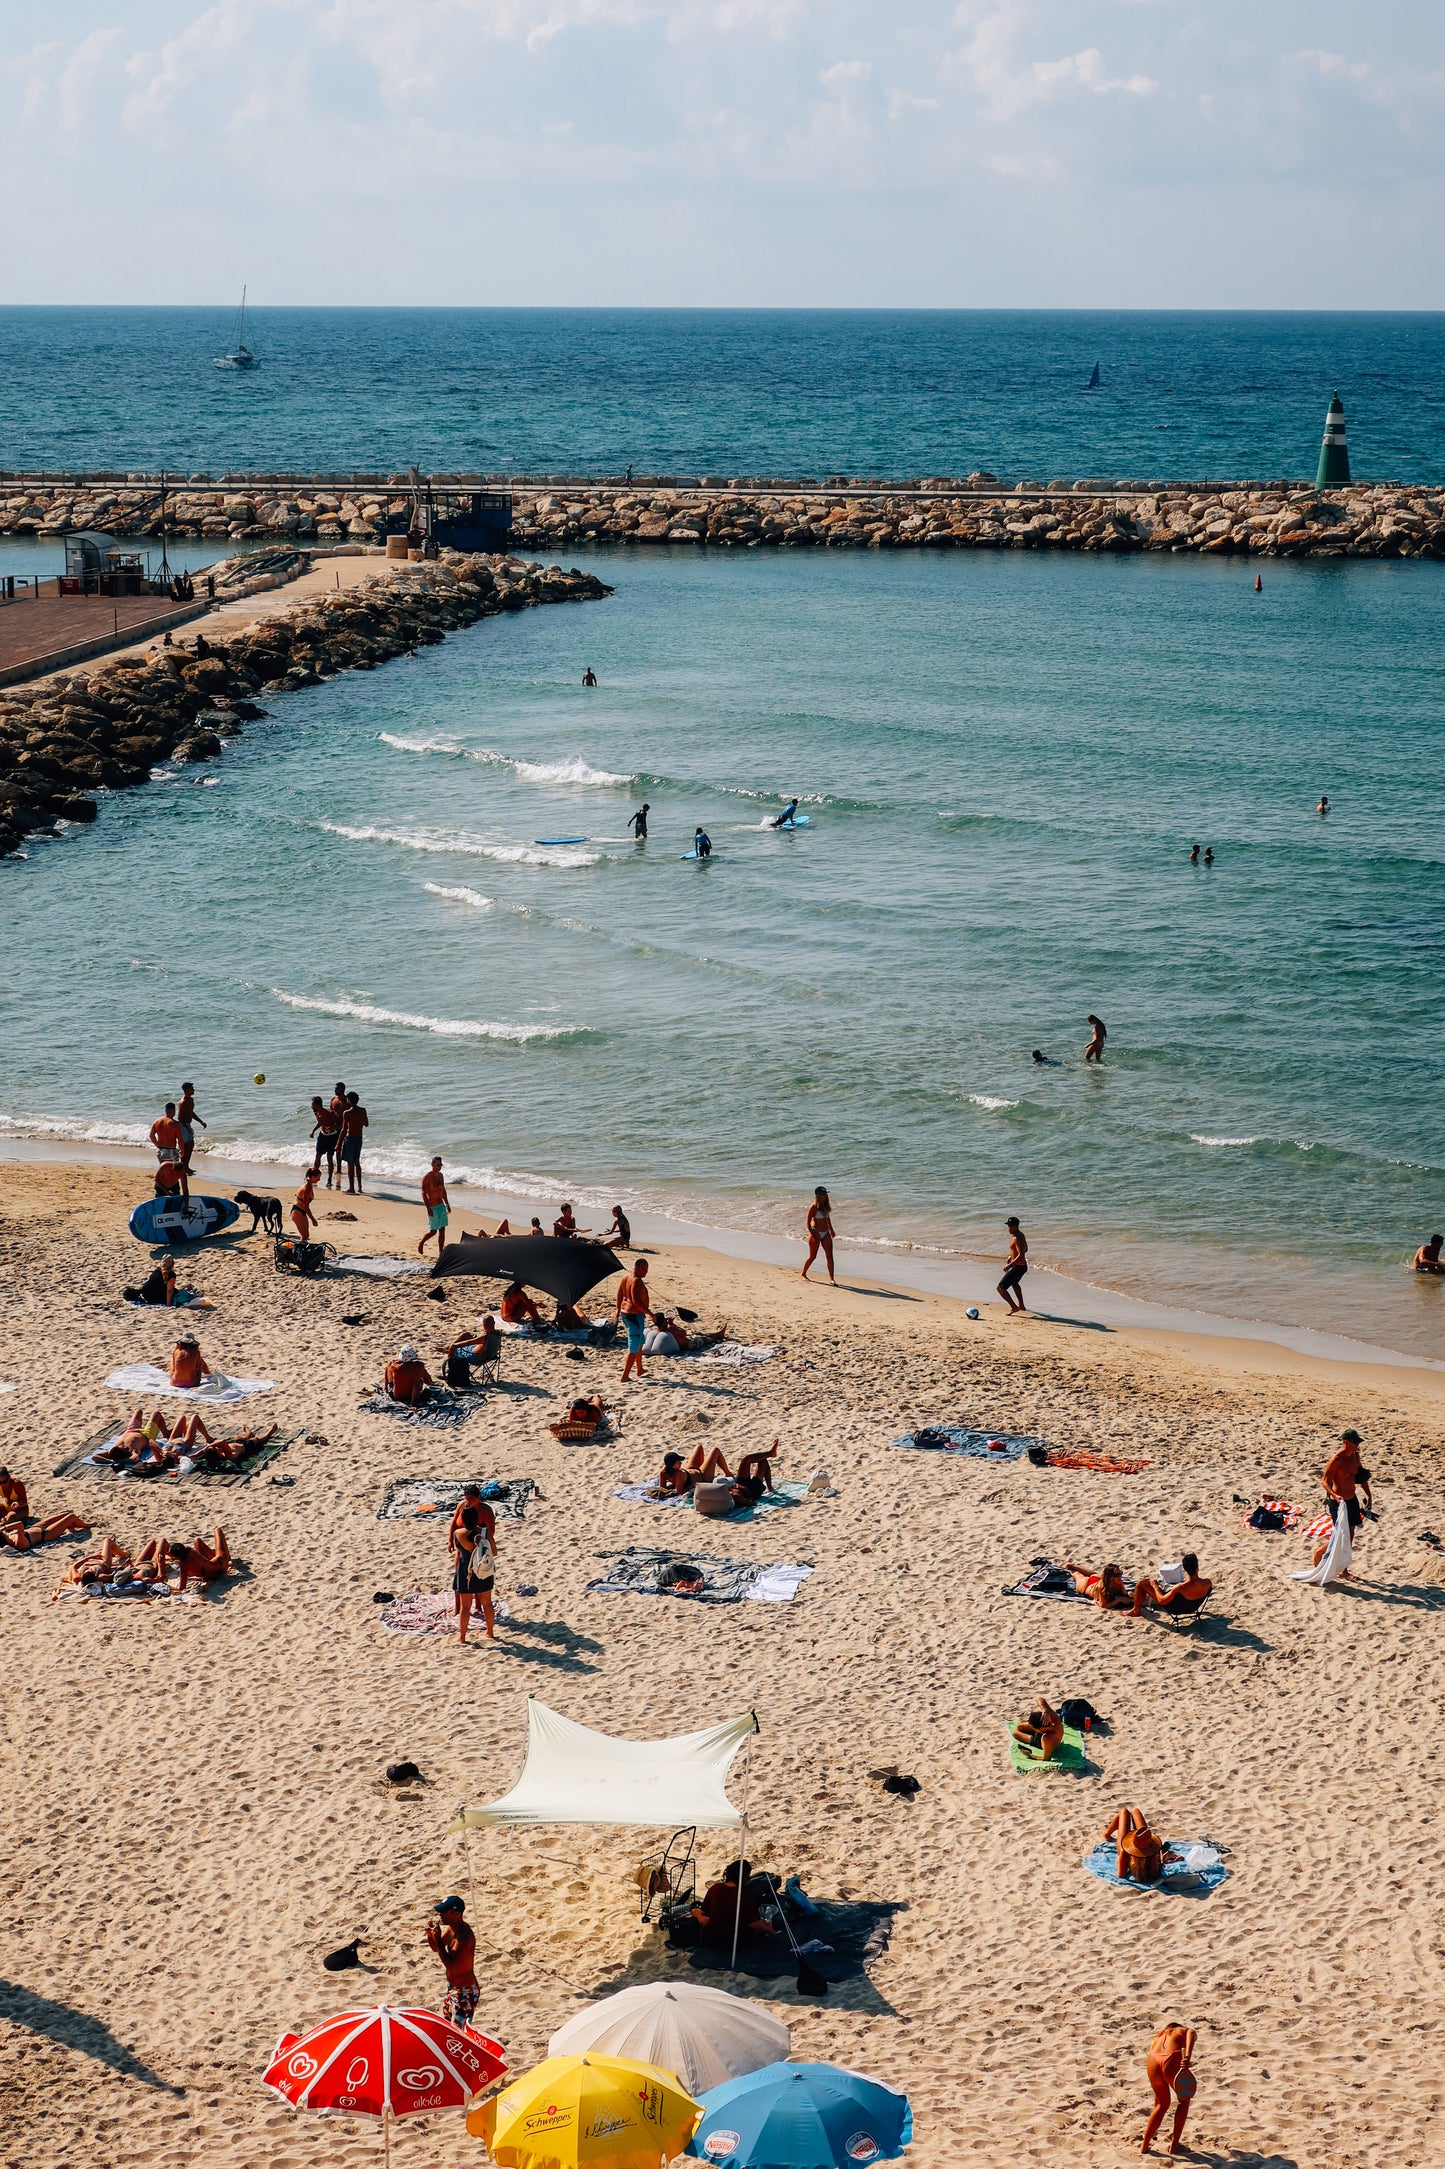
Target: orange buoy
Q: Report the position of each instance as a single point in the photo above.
(1259, 583)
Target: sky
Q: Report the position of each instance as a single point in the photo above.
(725, 153)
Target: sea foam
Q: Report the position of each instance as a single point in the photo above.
(451, 841)
(444, 1027)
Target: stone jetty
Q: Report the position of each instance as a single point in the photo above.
(977, 512)
(66, 737)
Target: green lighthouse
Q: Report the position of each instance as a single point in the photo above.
(1334, 466)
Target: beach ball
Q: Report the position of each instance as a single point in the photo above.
(970, 1313)
(260, 1077)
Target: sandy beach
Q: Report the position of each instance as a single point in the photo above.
(195, 1810)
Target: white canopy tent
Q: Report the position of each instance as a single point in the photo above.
(575, 1775)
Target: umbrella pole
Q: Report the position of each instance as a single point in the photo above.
(742, 1856)
(386, 2132)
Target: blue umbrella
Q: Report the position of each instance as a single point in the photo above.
(802, 2116)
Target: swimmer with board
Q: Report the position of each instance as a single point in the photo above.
(701, 845)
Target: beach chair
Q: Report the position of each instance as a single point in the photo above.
(1182, 1618)
(487, 1362)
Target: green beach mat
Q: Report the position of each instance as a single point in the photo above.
(1070, 1756)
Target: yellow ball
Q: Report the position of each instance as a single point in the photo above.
(260, 1077)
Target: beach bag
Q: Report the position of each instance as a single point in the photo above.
(1266, 1517)
(1039, 1455)
(1079, 1715)
(457, 1371)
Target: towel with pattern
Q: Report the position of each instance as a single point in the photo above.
(733, 1353)
(440, 1411)
(789, 1491)
(1290, 1512)
(428, 1613)
(1194, 1872)
(701, 1576)
(507, 1496)
(952, 1438)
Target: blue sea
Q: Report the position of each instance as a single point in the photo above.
(726, 392)
(1005, 760)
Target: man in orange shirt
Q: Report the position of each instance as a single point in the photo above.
(166, 1137)
(632, 1309)
(438, 1206)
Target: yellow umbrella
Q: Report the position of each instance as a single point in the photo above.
(573, 2111)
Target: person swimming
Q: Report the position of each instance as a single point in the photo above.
(1324, 805)
(1046, 1060)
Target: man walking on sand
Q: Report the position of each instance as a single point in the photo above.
(1168, 2067)
(438, 1206)
(452, 1940)
(632, 1309)
(1018, 1265)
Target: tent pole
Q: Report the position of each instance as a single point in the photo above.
(742, 1856)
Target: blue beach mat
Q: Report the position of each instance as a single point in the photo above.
(1200, 1872)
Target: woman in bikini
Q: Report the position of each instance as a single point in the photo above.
(820, 1232)
(1107, 1590)
(1139, 1856)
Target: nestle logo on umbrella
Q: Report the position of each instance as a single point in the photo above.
(718, 2143)
(862, 2147)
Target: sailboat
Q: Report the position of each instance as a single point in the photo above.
(240, 356)
(1093, 383)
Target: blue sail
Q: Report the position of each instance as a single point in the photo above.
(1093, 383)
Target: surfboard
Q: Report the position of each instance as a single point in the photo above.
(172, 1219)
(693, 854)
(559, 839)
(781, 827)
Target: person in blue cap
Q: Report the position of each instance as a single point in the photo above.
(455, 1945)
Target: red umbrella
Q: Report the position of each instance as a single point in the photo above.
(385, 2061)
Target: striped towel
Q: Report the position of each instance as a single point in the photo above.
(1320, 1526)
(1293, 1513)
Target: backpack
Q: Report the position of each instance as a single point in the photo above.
(1265, 1517)
(1080, 1715)
(457, 1371)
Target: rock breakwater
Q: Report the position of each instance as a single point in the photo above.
(1280, 519)
(66, 738)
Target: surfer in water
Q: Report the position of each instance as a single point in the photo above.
(702, 843)
(788, 815)
(638, 823)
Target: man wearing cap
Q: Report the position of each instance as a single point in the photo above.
(449, 1936)
(1343, 1479)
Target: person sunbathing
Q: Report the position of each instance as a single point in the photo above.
(518, 1307)
(587, 1408)
(1041, 1733)
(1108, 1590)
(21, 1538)
(222, 1451)
(407, 1379)
(1139, 1856)
(1185, 1596)
(569, 1319)
(142, 1442)
(755, 1471)
(199, 1561)
(188, 1366)
(676, 1480)
(14, 1499)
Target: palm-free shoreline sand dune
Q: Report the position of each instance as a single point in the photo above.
(194, 1809)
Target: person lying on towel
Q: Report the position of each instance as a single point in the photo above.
(1169, 1595)
(1108, 1590)
(407, 1379)
(668, 1336)
(1041, 1733)
(1139, 1855)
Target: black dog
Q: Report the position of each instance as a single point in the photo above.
(265, 1211)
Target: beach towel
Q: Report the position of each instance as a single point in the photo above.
(1033, 1585)
(147, 1380)
(701, 1576)
(428, 1613)
(1290, 1512)
(1338, 1554)
(1314, 1531)
(1196, 1872)
(139, 1598)
(83, 1462)
(507, 1496)
(440, 1411)
(186, 1299)
(1079, 1457)
(981, 1445)
(379, 1268)
(841, 1938)
(1069, 1756)
(791, 1491)
(733, 1353)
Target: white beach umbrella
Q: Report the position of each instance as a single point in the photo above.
(701, 2034)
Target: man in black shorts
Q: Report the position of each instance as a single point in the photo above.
(1018, 1265)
